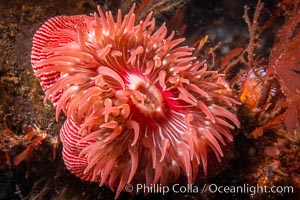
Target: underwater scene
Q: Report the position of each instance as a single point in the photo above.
(150, 99)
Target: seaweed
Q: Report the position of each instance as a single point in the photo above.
(284, 64)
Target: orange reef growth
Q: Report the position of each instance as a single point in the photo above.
(269, 86)
(30, 140)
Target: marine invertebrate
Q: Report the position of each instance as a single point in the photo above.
(139, 107)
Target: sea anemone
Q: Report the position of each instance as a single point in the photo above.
(140, 108)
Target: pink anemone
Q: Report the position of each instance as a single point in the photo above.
(140, 107)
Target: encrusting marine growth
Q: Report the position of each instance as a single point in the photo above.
(140, 108)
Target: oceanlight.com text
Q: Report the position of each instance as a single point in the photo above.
(212, 188)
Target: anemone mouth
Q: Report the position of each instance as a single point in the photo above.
(146, 97)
